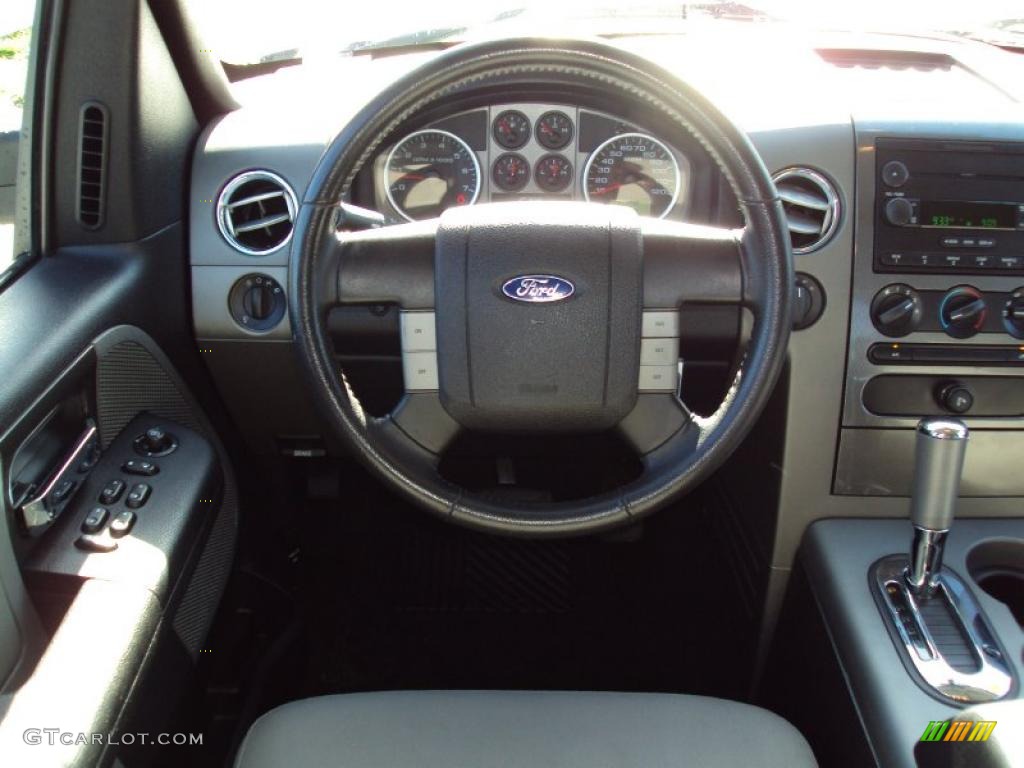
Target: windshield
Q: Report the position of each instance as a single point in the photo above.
(253, 31)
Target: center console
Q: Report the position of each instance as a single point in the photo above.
(937, 318)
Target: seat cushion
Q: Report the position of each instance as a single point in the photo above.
(521, 729)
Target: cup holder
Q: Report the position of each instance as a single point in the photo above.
(997, 566)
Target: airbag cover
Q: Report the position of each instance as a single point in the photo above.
(538, 315)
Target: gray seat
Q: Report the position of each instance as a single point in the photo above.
(521, 729)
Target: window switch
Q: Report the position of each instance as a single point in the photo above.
(138, 495)
(62, 491)
(140, 467)
(122, 523)
(112, 492)
(95, 520)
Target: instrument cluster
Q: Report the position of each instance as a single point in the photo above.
(530, 151)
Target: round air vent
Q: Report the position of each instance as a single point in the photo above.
(812, 207)
(256, 211)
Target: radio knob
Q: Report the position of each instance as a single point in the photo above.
(963, 312)
(895, 173)
(899, 211)
(1013, 314)
(896, 310)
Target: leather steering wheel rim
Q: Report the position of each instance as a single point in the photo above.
(767, 278)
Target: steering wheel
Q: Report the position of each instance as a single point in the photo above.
(534, 317)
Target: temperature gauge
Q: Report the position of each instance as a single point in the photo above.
(553, 173)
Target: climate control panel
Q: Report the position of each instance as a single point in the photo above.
(960, 312)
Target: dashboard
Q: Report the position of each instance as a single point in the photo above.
(916, 284)
(530, 151)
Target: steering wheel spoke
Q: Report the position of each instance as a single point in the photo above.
(386, 265)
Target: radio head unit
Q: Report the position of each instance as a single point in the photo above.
(948, 206)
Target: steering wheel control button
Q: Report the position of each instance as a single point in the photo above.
(111, 492)
(419, 369)
(955, 397)
(138, 496)
(140, 467)
(659, 352)
(96, 542)
(155, 442)
(95, 520)
(660, 325)
(658, 378)
(419, 332)
(122, 523)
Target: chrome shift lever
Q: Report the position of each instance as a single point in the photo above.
(938, 464)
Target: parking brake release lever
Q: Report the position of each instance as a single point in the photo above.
(938, 464)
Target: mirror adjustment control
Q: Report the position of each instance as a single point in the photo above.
(95, 520)
(140, 467)
(122, 523)
(112, 492)
(155, 442)
(138, 495)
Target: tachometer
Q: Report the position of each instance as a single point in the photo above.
(636, 170)
(429, 171)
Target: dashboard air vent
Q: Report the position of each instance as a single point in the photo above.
(256, 212)
(812, 207)
(92, 165)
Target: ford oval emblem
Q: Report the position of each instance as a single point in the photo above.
(538, 289)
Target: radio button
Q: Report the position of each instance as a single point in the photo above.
(951, 242)
(981, 261)
(953, 260)
(1009, 262)
(900, 211)
(969, 242)
(986, 242)
(895, 260)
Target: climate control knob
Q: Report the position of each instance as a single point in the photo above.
(963, 312)
(896, 310)
(1013, 314)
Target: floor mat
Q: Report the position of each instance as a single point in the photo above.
(392, 599)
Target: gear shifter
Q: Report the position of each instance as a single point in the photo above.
(942, 631)
(938, 463)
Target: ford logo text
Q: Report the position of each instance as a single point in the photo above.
(538, 289)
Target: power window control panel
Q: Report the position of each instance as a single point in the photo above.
(155, 490)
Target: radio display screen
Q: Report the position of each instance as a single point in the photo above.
(956, 213)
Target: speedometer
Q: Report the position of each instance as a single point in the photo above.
(429, 171)
(636, 170)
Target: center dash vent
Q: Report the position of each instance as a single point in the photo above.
(92, 165)
(811, 205)
(256, 212)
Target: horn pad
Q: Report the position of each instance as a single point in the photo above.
(538, 312)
